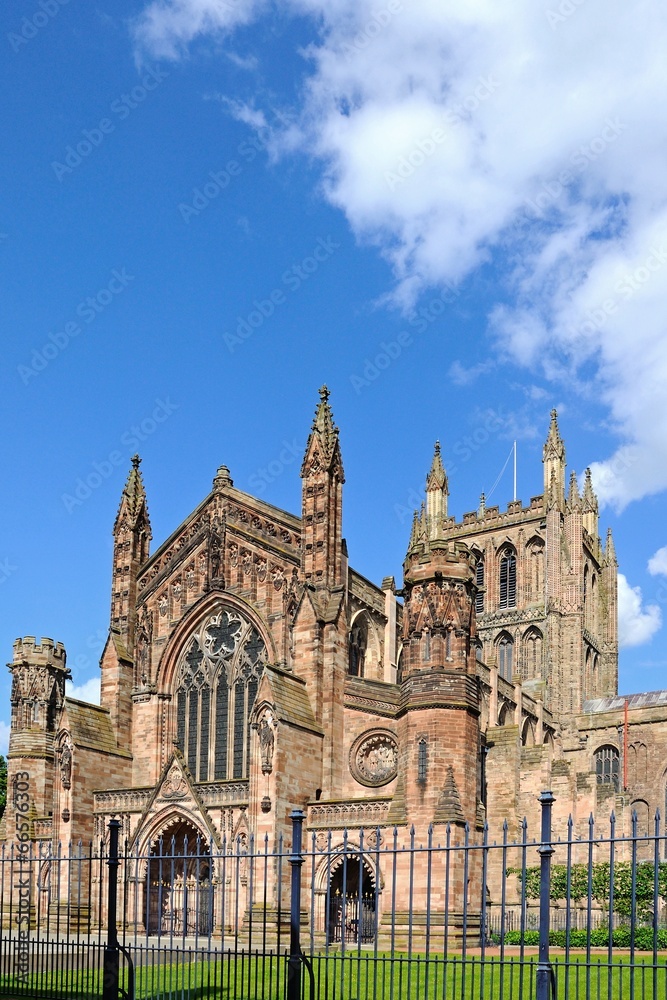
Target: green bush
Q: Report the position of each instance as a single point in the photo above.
(599, 938)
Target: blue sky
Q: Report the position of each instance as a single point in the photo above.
(457, 219)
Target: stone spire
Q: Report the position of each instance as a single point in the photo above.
(132, 535)
(414, 532)
(574, 499)
(437, 477)
(324, 439)
(553, 457)
(437, 491)
(590, 506)
(589, 498)
(322, 500)
(610, 551)
(133, 502)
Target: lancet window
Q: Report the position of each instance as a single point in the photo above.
(607, 766)
(508, 579)
(479, 582)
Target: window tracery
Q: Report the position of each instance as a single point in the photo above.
(607, 766)
(216, 686)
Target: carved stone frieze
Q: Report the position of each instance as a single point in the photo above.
(161, 566)
(250, 519)
(368, 814)
(497, 619)
(370, 704)
(121, 800)
(223, 793)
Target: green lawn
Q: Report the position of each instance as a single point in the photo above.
(360, 976)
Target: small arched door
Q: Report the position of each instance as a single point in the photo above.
(178, 890)
(351, 912)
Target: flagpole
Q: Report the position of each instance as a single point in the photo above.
(514, 471)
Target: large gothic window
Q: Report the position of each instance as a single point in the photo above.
(216, 686)
(508, 579)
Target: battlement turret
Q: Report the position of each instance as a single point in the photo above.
(46, 652)
(39, 672)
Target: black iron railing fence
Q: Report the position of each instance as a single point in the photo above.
(383, 914)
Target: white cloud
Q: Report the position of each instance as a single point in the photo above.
(636, 624)
(453, 134)
(166, 27)
(657, 564)
(88, 691)
(460, 375)
(4, 738)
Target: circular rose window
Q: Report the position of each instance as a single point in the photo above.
(374, 758)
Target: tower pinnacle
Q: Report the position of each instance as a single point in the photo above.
(323, 441)
(553, 457)
(437, 491)
(133, 498)
(590, 506)
(132, 535)
(322, 499)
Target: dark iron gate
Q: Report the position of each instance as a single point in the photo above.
(376, 914)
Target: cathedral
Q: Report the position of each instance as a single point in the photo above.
(249, 671)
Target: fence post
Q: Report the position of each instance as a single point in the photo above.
(545, 976)
(296, 860)
(111, 949)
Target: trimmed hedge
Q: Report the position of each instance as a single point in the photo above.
(599, 938)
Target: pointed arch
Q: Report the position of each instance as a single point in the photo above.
(363, 646)
(480, 581)
(176, 874)
(606, 761)
(335, 856)
(532, 644)
(207, 605)
(535, 569)
(528, 734)
(505, 655)
(507, 577)
(215, 681)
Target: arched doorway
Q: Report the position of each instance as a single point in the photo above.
(351, 908)
(178, 889)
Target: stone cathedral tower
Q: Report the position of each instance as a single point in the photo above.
(546, 604)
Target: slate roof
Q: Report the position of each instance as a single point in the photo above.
(291, 699)
(90, 727)
(647, 699)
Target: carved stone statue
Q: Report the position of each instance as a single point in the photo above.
(266, 742)
(66, 766)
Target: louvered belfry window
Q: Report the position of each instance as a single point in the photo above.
(508, 580)
(479, 581)
(216, 686)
